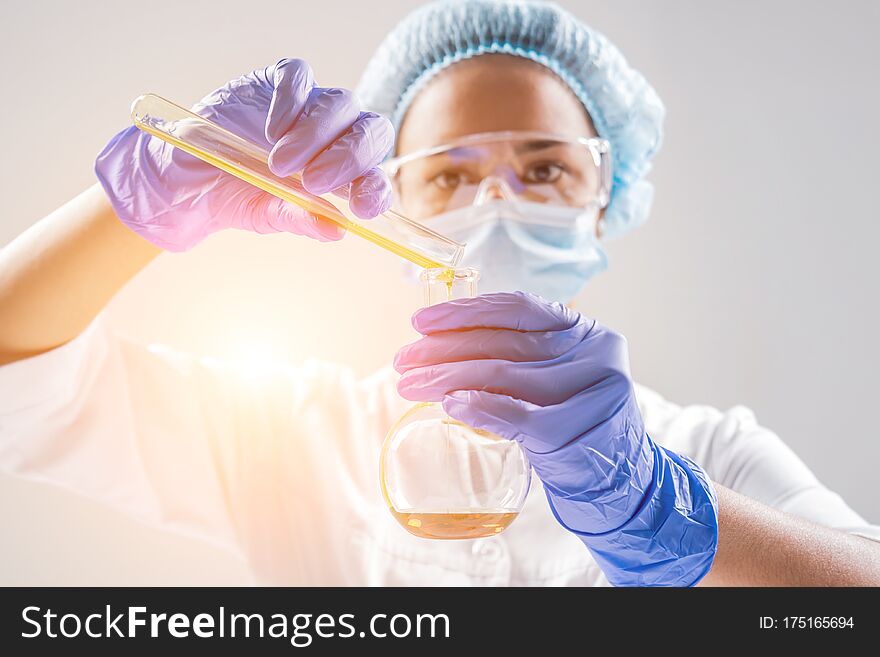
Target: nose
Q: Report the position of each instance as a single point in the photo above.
(493, 188)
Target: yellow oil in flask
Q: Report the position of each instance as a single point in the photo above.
(441, 478)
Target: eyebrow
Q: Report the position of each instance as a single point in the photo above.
(535, 145)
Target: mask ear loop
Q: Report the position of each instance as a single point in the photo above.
(599, 228)
(592, 215)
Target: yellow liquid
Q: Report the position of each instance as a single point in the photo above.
(455, 525)
(280, 192)
(447, 276)
(449, 526)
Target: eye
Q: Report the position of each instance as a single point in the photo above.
(543, 172)
(448, 179)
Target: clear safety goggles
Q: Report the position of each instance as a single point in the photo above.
(535, 167)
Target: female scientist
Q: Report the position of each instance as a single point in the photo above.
(515, 128)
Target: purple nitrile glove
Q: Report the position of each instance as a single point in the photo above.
(558, 383)
(175, 200)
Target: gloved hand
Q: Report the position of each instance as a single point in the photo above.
(175, 200)
(559, 383)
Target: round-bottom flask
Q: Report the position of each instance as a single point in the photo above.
(444, 479)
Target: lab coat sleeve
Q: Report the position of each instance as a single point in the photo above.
(238, 456)
(741, 455)
(116, 423)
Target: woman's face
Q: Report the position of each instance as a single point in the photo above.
(488, 93)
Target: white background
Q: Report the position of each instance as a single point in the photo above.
(755, 281)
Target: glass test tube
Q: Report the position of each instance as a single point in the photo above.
(225, 150)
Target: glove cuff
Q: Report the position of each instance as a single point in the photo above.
(671, 539)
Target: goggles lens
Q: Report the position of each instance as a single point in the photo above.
(532, 167)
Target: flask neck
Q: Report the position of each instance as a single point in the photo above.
(443, 284)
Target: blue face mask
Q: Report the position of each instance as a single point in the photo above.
(545, 249)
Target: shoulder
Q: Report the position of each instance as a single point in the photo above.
(710, 436)
(671, 421)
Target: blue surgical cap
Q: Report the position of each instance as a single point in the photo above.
(624, 108)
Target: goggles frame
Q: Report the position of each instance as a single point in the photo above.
(599, 149)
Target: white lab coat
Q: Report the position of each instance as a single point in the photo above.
(281, 464)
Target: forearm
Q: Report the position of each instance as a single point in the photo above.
(58, 275)
(761, 546)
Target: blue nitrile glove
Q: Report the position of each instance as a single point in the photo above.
(175, 200)
(559, 383)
